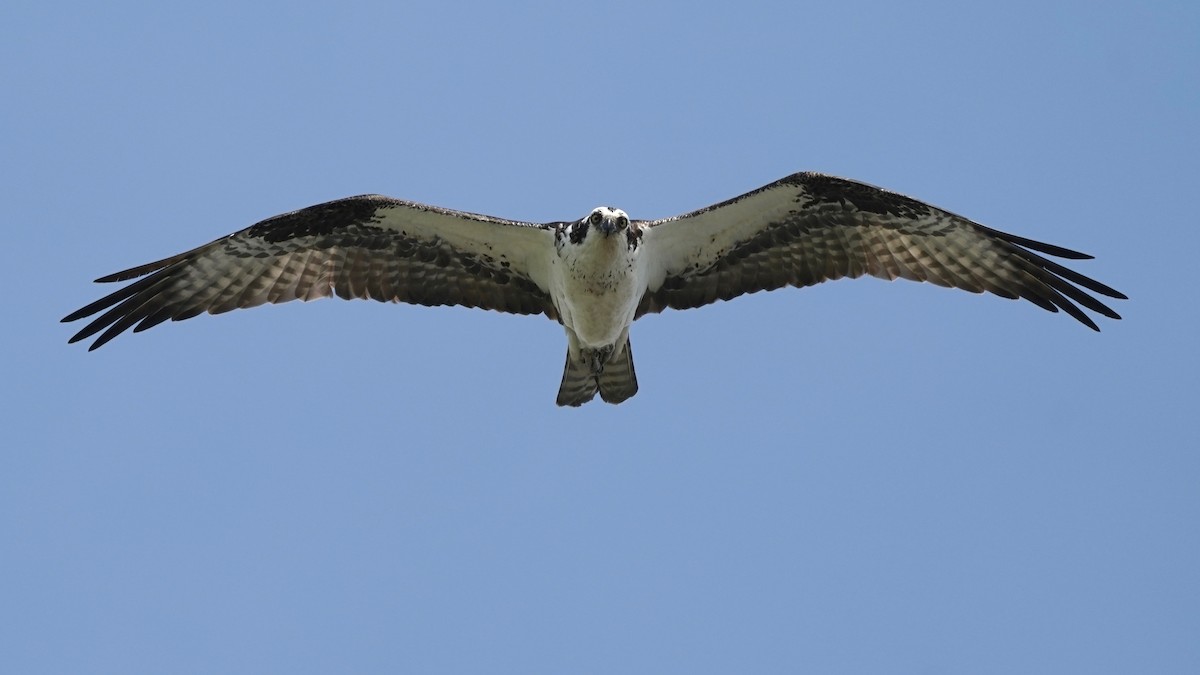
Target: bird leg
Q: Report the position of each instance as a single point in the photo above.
(596, 358)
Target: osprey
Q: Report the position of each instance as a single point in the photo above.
(596, 275)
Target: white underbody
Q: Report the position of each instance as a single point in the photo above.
(596, 286)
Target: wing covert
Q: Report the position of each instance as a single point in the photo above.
(809, 228)
(368, 247)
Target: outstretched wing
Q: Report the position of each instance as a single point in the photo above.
(362, 247)
(808, 228)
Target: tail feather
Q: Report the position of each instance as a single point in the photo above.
(578, 384)
(618, 381)
(615, 382)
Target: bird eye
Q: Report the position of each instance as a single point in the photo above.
(622, 221)
(596, 218)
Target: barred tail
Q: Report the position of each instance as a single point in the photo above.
(616, 380)
(578, 384)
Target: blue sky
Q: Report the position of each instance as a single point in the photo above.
(858, 477)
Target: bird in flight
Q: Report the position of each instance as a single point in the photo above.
(596, 275)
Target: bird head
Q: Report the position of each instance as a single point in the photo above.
(607, 220)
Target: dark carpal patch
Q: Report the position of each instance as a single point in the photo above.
(270, 244)
(319, 220)
(830, 190)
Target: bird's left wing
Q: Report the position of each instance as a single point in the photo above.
(361, 247)
(809, 228)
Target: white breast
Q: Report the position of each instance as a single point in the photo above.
(597, 286)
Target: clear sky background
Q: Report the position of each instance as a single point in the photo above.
(860, 477)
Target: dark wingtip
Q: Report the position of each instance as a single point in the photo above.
(112, 332)
(75, 316)
(127, 274)
(81, 336)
